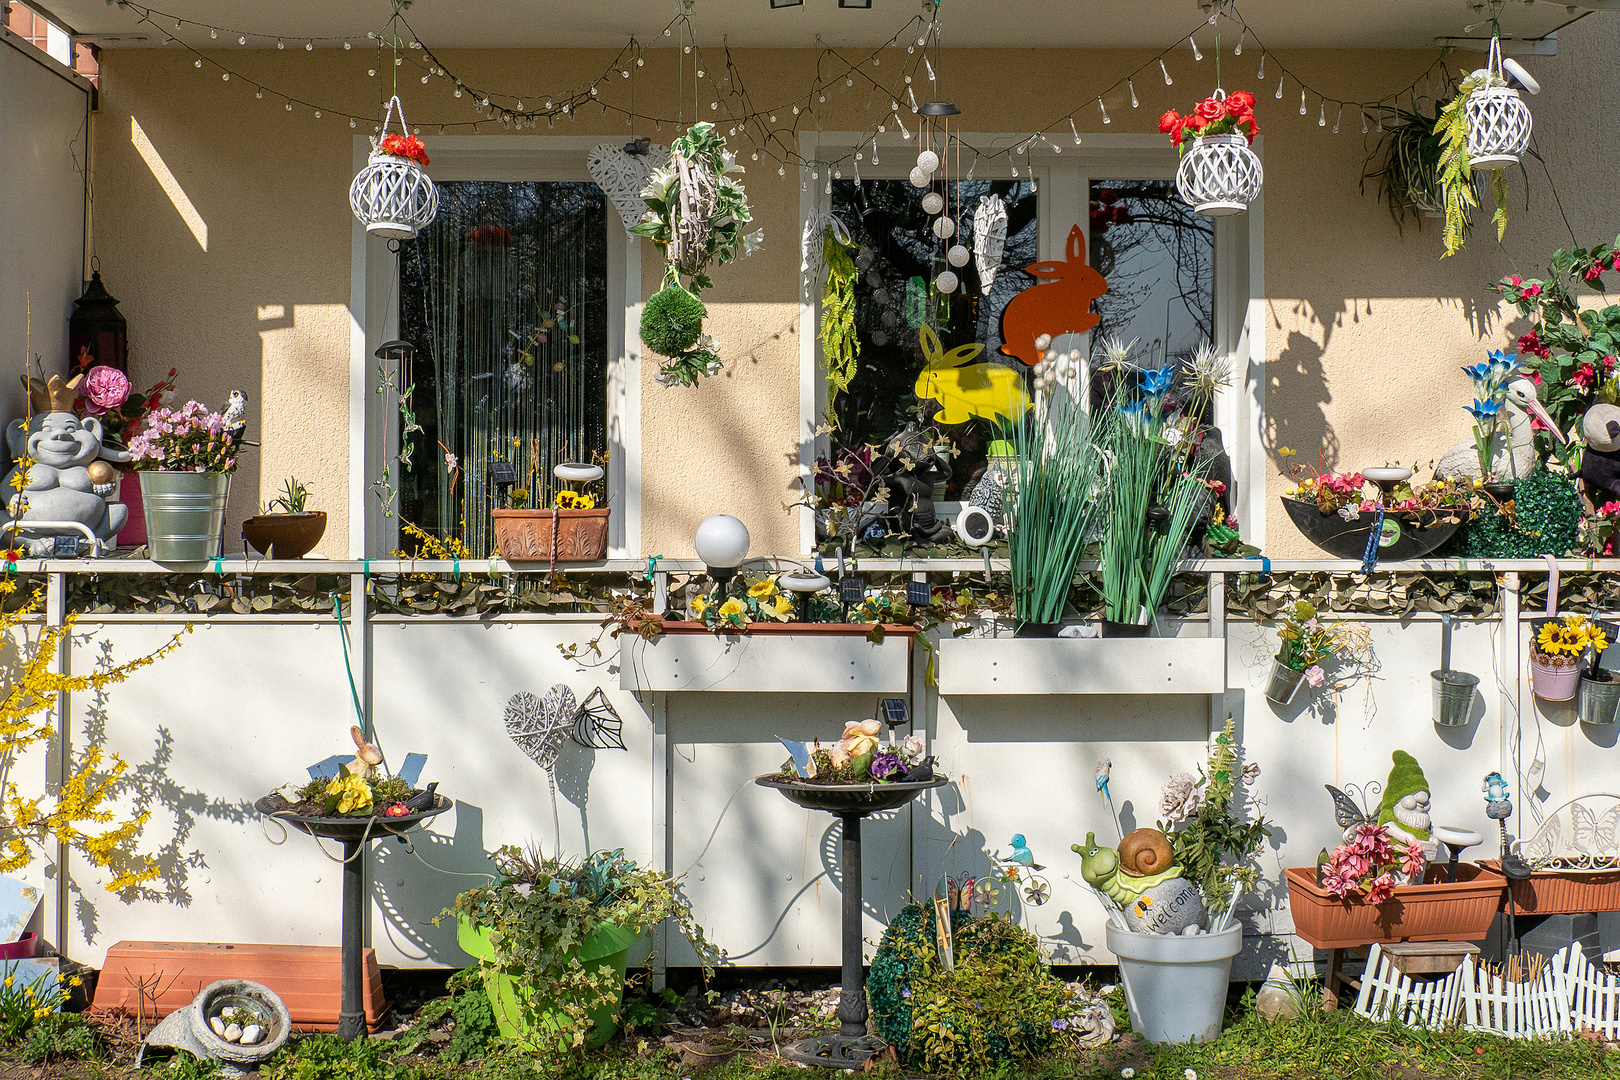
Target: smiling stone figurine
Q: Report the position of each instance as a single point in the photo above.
(64, 469)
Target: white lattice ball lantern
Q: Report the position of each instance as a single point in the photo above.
(1498, 127)
(1219, 175)
(393, 197)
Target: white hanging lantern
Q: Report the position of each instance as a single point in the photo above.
(392, 196)
(1498, 119)
(1219, 175)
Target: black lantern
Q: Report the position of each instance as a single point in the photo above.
(97, 332)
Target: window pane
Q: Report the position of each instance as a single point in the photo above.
(505, 298)
(901, 258)
(1159, 259)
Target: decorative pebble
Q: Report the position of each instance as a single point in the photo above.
(218, 1025)
(946, 282)
(958, 255)
(233, 1033)
(944, 227)
(933, 202)
(252, 1035)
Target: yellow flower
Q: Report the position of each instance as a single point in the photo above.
(9, 980)
(761, 589)
(354, 794)
(575, 500)
(784, 606)
(1596, 638)
(730, 608)
(699, 605)
(1551, 639)
(74, 980)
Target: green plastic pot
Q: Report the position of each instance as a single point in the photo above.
(608, 949)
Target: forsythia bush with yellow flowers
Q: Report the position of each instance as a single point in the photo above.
(79, 815)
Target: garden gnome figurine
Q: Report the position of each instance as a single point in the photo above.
(62, 473)
(1405, 809)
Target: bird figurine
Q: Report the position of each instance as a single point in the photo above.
(1104, 767)
(236, 417)
(1021, 853)
(1514, 456)
(804, 762)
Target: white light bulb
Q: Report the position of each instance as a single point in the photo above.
(1134, 103)
(1167, 79)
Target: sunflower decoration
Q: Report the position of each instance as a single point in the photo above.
(762, 598)
(1562, 642)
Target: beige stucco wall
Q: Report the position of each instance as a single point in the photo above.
(1365, 328)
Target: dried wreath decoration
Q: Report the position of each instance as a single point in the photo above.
(697, 212)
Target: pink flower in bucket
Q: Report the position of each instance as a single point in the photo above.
(105, 388)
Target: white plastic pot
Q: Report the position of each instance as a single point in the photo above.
(1175, 986)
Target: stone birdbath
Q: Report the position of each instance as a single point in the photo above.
(851, 1046)
(354, 833)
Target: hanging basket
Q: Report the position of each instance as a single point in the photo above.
(1498, 127)
(1219, 175)
(392, 197)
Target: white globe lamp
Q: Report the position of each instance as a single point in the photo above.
(722, 543)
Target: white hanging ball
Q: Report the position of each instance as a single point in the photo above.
(879, 338)
(888, 318)
(880, 297)
(927, 161)
(919, 178)
(874, 279)
(944, 227)
(863, 259)
(958, 255)
(933, 202)
(946, 281)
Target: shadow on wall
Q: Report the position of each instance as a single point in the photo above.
(1297, 397)
(415, 878)
(147, 788)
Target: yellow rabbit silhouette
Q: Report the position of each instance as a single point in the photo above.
(967, 391)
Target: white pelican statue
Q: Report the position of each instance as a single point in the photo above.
(1514, 453)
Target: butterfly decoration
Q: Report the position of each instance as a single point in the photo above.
(1595, 835)
(1347, 812)
(597, 724)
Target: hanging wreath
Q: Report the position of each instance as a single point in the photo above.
(697, 212)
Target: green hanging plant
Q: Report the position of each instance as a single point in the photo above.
(839, 342)
(697, 214)
(1457, 173)
(1407, 158)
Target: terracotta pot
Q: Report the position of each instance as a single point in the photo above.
(285, 536)
(1562, 892)
(531, 535)
(1554, 683)
(1437, 910)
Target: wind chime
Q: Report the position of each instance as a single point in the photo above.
(933, 171)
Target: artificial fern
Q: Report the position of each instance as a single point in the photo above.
(1457, 172)
(839, 342)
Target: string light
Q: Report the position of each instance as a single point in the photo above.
(1302, 101)
(1075, 130)
(1237, 50)
(1194, 43)
(1337, 117)
(1104, 109)
(1134, 103)
(1321, 115)
(1261, 74)
(1278, 94)
(1364, 121)
(1167, 79)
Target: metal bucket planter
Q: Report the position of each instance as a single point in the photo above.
(1175, 986)
(1453, 697)
(185, 512)
(1554, 683)
(1596, 702)
(1284, 682)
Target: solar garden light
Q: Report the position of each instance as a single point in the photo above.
(802, 583)
(722, 543)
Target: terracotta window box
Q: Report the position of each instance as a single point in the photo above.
(1561, 892)
(532, 535)
(1437, 910)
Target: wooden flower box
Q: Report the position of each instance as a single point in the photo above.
(1561, 892)
(1437, 910)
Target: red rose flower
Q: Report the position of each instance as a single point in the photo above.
(1240, 101)
(1193, 124)
(1170, 122)
(1584, 377)
(405, 146)
(1529, 291)
(1594, 274)
(1211, 109)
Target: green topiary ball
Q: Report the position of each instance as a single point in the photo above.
(1548, 512)
(998, 1003)
(672, 321)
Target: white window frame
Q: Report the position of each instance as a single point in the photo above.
(1063, 200)
(374, 318)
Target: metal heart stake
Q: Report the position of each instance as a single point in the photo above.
(597, 724)
(622, 175)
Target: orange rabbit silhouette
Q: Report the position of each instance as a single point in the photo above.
(1061, 307)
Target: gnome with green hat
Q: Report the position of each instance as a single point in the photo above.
(1404, 813)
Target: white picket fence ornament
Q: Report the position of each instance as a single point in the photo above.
(1219, 175)
(391, 196)
(1498, 119)
(1388, 994)
(1593, 995)
(1536, 1009)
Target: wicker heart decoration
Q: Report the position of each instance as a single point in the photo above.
(622, 175)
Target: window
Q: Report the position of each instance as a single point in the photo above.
(899, 257)
(505, 296)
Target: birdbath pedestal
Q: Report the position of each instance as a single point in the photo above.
(849, 803)
(353, 833)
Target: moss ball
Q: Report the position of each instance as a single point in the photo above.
(672, 321)
(1546, 521)
(998, 1003)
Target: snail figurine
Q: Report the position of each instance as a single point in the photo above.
(1143, 879)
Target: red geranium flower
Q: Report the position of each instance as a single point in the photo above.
(1594, 274)
(1584, 377)
(405, 146)
(1529, 291)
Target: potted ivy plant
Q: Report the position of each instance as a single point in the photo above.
(553, 937)
(290, 533)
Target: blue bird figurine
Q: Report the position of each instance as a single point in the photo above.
(1021, 853)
